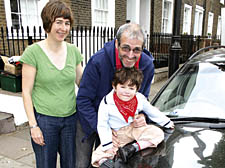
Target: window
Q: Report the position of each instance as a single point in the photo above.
(198, 20)
(29, 13)
(187, 19)
(15, 13)
(219, 25)
(24, 12)
(103, 13)
(222, 1)
(167, 16)
(210, 24)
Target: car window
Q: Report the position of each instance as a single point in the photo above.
(196, 91)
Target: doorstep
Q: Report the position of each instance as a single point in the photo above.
(7, 123)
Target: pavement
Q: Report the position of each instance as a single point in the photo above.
(15, 147)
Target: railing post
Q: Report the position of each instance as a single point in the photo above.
(3, 41)
(30, 41)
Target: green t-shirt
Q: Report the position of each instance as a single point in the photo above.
(53, 92)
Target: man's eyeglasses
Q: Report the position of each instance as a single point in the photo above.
(127, 48)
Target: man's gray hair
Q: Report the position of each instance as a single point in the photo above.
(133, 30)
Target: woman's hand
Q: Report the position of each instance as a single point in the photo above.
(37, 136)
(139, 121)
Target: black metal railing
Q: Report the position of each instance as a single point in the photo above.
(90, 39)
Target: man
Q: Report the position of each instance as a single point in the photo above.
(126, 50)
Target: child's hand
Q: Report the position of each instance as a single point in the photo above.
(139, 121)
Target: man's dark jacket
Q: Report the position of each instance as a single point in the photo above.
(96, 82)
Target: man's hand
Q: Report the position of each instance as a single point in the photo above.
(139, 121)
(115, 140)
(111, 151)
(172, 125)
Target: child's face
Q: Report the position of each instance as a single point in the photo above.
(125, 92)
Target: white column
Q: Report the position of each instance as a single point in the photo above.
(223, 26)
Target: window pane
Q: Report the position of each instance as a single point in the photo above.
(101, 12)
(29, 12)
(14, 6)
(15, 20)
(15, 13)
(166, 16)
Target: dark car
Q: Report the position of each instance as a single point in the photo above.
(194, 98)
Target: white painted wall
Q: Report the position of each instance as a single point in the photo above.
(13, 105)
(223, 26)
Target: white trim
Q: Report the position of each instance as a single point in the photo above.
(199, 8)
(188, 28)
(210, 23)
(8, 13)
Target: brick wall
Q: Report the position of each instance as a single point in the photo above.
(82, 12)
(157, 16)
(2, 21)
(2, 13)
(120, 12)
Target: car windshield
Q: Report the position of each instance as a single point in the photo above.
(196, 91)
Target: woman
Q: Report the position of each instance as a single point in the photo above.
(50, 69)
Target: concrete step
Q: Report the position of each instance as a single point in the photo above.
(7, 123)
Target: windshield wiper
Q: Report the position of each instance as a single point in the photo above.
(212, 123)
(198, 119)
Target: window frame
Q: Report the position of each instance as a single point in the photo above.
(108, 12)
(219, 27)
(18, 34)
(168, 27)
(210, 23)
(198, 23)
(187, 20)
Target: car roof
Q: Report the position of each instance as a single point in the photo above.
(213, 55)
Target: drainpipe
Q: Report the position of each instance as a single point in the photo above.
(204, 20)
(175, 48)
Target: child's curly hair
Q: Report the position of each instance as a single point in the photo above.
(133, 75)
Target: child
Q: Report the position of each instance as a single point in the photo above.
(117, 111)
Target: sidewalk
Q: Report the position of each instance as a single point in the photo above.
(15, 148)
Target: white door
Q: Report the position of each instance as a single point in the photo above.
(138, 11)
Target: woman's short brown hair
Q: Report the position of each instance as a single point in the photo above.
(55, 9)
(133, 75)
